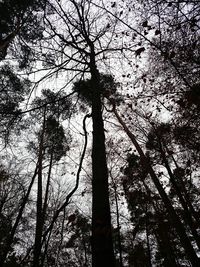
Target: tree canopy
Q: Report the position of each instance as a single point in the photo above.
(99, 130)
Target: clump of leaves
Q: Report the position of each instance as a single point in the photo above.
(135, 168)
(157, 135)
(85, 90)
(13, 91)
(56, 104)
(54, 140)
(188, 137)
(191, 97)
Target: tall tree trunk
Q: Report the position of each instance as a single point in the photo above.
(175, 221)
(102, 246)
(45, 203)
(44, 210)
(39, 213)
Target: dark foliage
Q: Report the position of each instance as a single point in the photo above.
(108, 87)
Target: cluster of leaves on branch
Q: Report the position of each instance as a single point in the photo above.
(108, 87)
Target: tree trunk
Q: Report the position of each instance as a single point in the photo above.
(39, 213)
(45, 204)
(118, 224)
(102, 246)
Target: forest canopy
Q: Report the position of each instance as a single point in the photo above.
(100, 133)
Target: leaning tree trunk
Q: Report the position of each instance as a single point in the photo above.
(173, 217)
(102, 246)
